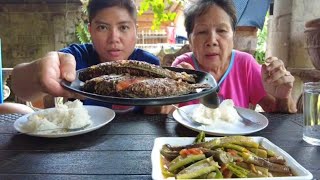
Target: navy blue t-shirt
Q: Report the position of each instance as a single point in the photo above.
(86, 56)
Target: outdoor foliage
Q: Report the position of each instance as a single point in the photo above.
(158, 7)
(260, 53)
(82, 28)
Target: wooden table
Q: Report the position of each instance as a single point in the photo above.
(122, 148)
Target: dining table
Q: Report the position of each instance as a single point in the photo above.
(122, 148)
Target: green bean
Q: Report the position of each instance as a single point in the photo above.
(264, 171)
(237, 170)
(197, 169)
(219, 174)
(240, 140)
(235, 147)
(180, 161)
(270, 153)
(211, 175)
(218, 155)
(200, 138)
(259, 152)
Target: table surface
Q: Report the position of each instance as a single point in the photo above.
(122, 148)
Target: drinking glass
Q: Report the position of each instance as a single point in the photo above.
(311, 112)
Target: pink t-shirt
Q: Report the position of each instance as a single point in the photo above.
(243, 84)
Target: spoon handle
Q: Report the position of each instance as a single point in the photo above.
(189, 118)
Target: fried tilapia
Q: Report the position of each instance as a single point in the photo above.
(134, 68)
(139, 87)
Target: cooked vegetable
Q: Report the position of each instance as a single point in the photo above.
(218, 154)
(277, 160)
(259, 152)
(264, 163)
(238, 170)
(200, 138)
(180, 161)
(235, 147)
(197, 169)
(168, 153)
(226, 157)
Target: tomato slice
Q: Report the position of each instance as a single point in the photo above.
(186, 152)
(121, 85)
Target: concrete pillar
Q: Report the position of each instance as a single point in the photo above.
(279, 30)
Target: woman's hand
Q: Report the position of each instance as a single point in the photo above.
(277, 81)
(31, 81)
(185, 65)
(54, 67)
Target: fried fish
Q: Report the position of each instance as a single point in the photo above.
(139, 86)
(134, 68)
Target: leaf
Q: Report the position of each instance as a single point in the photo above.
(158, 7)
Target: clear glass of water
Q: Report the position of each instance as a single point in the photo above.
(311, 112)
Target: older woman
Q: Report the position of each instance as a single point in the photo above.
(210, 25)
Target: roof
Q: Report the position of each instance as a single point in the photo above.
(251, 12)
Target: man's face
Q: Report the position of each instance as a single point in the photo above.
(113, 33)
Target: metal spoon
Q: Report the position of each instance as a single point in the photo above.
(65, 129)
(245, 120)
(211, 100)
(189, 118)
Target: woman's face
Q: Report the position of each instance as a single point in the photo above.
(212, 38)
(113, 33)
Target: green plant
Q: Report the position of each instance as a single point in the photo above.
(260, 53)
(82, 32)
(160, 12)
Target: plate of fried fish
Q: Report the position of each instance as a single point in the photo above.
(131, 82)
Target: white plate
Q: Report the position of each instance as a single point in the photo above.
(224, 128)
(100, 116)
(299, 171)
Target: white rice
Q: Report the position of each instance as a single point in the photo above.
(224, 113)
(70, 115)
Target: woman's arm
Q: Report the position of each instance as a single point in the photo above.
(283, 105)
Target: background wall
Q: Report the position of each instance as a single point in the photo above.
(29, 29)
(286, 35)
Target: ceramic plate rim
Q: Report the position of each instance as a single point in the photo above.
(109, 115)
(302, 172)
(243, 111)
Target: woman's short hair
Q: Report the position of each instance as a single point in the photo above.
(200, 7)
(94, 6)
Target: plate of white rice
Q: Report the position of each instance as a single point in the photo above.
(69, 119)
(221, 121)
